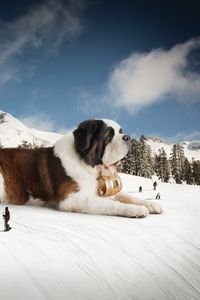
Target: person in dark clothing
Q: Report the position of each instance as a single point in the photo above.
(140, 189)
(158, 196)
(154, 185)
(6, 217)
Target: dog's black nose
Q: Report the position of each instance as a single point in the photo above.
(126, 138)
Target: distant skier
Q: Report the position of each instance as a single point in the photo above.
(6, 217)
(140, 189)
(155, 185)
(158, 196)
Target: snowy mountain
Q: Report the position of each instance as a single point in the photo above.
(14, 133)
(191, 149)
(56, 255)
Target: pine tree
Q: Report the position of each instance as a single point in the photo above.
(138, 161)
(177, 160)
(145, 162)
(188, 174)
(166, 168)
(130, 164)
(157, 164)
(196, 171)
(182, 159)
(135, 151)
(162, 167)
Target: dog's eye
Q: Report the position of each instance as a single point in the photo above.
(110, 135)
(120, 131)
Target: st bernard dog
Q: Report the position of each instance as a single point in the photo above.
(74, 175)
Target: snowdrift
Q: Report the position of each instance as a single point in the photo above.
(56, 255)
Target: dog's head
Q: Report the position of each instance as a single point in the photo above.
(101, 142)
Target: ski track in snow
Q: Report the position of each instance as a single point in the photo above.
(56, 255)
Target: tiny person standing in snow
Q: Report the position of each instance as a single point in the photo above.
(6, 217)
(154, 185)
(158, 196)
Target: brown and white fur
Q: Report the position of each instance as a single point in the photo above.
(65, 176)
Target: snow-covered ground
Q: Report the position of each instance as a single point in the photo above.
(56, 255)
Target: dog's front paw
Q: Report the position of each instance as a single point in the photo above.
(154, 207)
(138, 211)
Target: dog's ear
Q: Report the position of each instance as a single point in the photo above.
(83, 135)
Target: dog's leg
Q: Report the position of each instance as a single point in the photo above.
(100, 205)
(154, 207)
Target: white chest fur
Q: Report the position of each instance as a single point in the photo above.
(84, 175)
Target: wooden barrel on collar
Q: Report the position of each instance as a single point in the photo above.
(109, 185)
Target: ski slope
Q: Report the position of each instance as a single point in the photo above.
(56, 255)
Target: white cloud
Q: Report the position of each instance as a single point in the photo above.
(46, 25)
(192, 135)
(38, 121)
(42, 121)
(65, 130)
(145, 78)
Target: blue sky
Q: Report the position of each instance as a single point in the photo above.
(137, 62)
